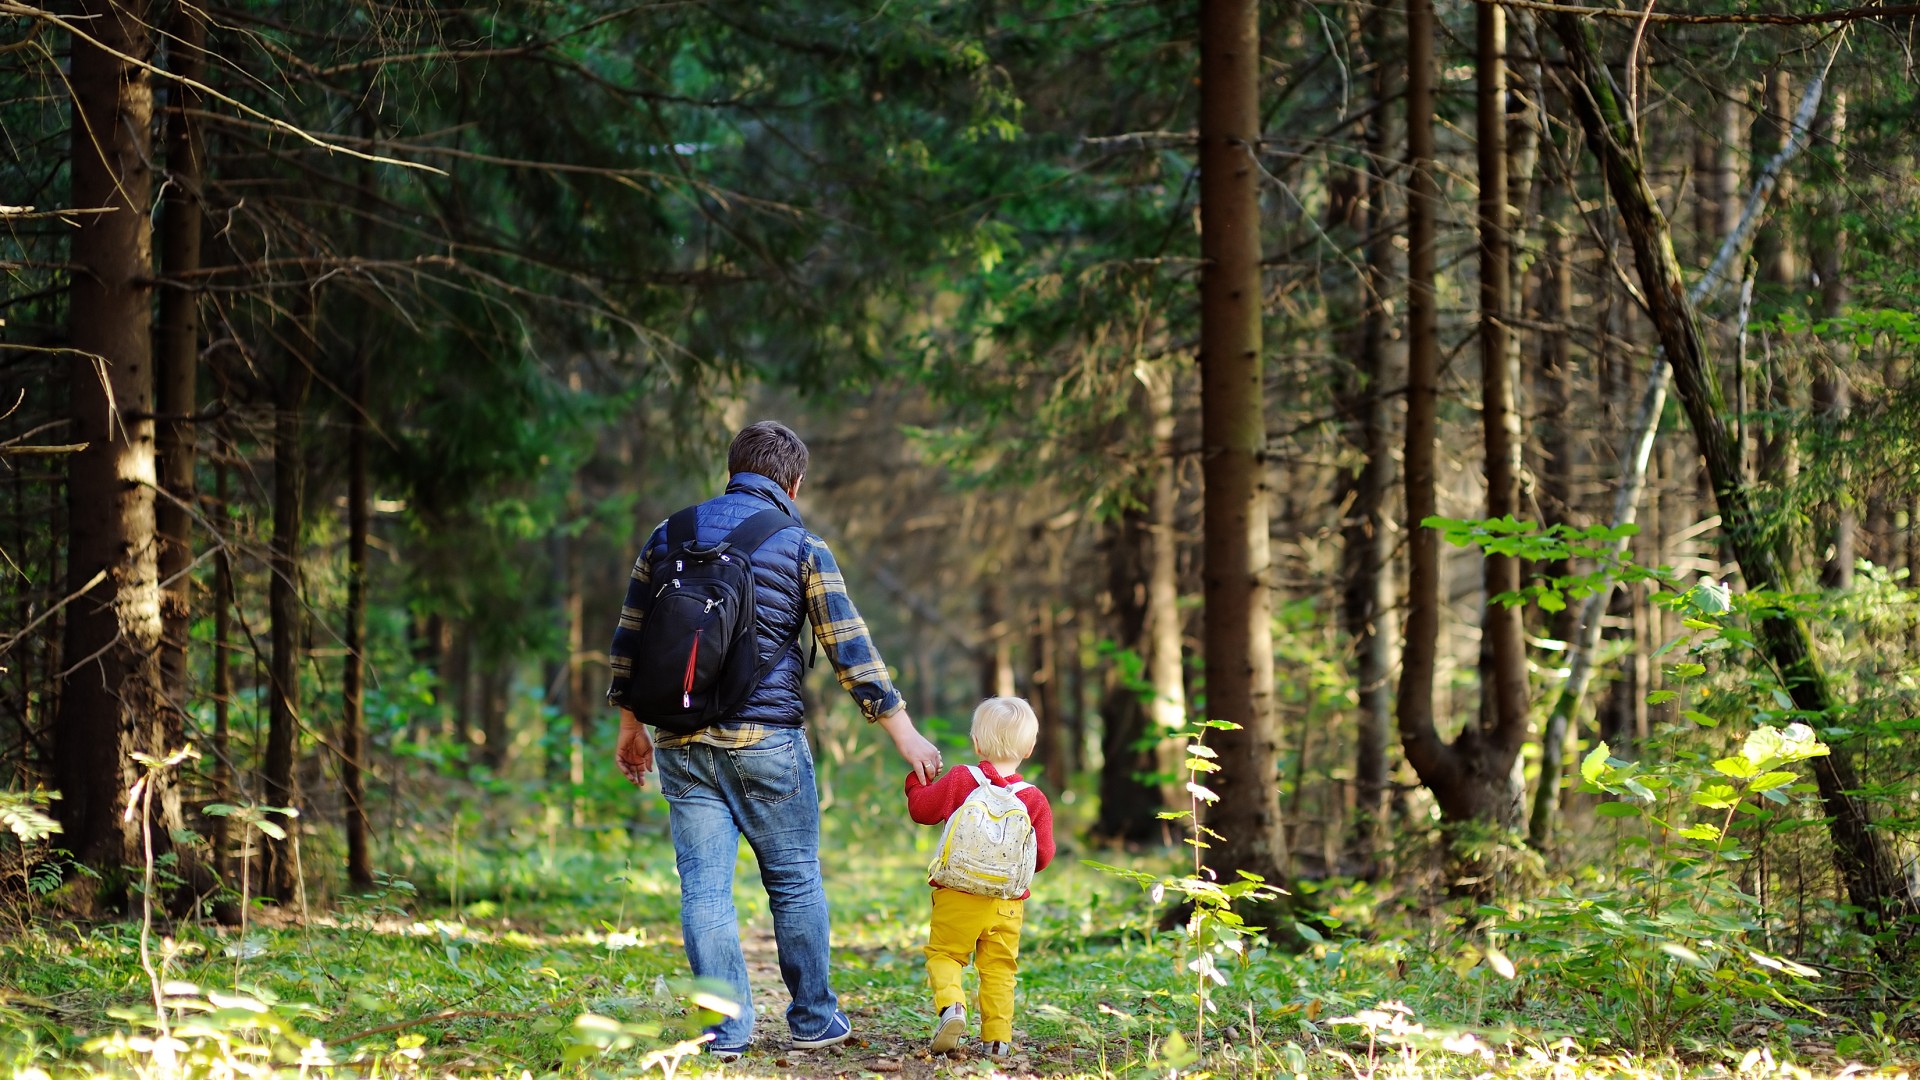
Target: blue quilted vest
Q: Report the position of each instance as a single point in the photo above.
(779, 603)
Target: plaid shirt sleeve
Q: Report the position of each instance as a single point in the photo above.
(626, 636)
(843, 634)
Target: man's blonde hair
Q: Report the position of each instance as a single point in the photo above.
(1004, 728)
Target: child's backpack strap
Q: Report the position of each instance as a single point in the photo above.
(979, 778)
(1017, 788)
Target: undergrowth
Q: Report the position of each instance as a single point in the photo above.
(529, 947)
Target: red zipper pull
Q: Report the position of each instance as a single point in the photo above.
(686, 688)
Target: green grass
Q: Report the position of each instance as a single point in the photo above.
(483, 956)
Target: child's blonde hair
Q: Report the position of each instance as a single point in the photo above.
(1004, 728)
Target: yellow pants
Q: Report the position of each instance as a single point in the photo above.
(987, 929)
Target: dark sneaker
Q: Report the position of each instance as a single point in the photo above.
(724, 1055)
(839, 1030)
(949, 1028)
(998, 1049)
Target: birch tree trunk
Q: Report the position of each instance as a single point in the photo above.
(1832, 394)
(1872, 877)
(1634, 455)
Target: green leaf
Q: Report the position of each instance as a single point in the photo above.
(1702, 831)
(1737, 767)
(1552, 601)
(1594, 765)
(1700, 718)
(1715, 797)
(1688, 671)
(1661, 697)
(1617, 809)
(1771, 780)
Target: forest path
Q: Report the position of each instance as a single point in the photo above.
(885, 1040)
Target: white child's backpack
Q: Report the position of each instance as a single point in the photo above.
(988, 847)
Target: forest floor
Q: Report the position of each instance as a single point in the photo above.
(536, 950)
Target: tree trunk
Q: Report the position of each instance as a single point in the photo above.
(1873, 879)
(580, 703)
(287, 614)
(1832, 394)
(559, 672)
(1780, 281)
(223, 604)
(1046, 701)
(996, 654)
(1504, 684)
(178, 360)
(1160, 643)
(1239, 635)
(353, 719)
(1414, 706)
(1073, 692)
(1127, 804)
(111, 703)
(492, 689)
(1367, 551)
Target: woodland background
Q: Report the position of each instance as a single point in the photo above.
(1499, 418)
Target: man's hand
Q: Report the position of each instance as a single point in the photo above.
(921, 756)
(634, 751)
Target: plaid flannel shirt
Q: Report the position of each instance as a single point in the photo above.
(837, 626)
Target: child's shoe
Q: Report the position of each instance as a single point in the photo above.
(949, 1029)
(998, 1049)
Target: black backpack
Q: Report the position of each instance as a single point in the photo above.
(698, 656)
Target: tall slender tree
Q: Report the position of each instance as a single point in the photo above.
(1239, 634)
(1832, 394)
(1414, 705)
(1368, 542)
(353, 702)
(286, 610)
(1505, 683)
(177, 359)
(111, 704)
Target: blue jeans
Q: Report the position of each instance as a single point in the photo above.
(765, 793)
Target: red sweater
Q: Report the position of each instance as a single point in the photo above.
(932, 804)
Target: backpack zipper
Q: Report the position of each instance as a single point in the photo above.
(693, 655)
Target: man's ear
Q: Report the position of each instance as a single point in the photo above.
(794, 491)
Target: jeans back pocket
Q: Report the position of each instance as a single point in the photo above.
(769, 772)
(675, 768)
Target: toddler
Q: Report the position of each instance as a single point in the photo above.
(966, 923)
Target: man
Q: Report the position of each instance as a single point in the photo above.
(751, 773)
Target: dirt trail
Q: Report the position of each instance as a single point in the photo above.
(882, 1046)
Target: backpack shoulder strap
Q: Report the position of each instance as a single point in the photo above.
(747, 536)
(681, 529)
(979, 778)
(1017, 788)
